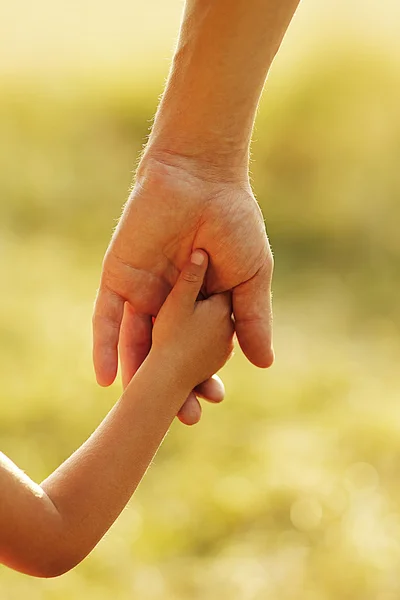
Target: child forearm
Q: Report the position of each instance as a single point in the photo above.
(75, 506)
(46, 530)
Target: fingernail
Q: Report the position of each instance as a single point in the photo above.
(197, 258)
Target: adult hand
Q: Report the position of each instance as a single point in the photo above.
(177, 206)
(192, 188)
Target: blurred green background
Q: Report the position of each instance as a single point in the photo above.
(290, 490)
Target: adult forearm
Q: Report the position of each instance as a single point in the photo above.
(221, 62)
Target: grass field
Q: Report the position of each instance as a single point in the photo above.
(290, 490)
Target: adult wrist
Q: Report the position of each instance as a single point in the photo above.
(215, 165)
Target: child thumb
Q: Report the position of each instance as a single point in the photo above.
(188, 286)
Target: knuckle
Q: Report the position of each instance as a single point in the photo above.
(190, 277)
(103, 320)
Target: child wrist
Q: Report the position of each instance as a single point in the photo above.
(170, 371)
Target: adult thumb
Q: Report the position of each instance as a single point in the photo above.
(188, 285)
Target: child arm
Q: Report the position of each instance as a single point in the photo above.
(46, 530)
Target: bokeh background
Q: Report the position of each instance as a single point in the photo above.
(290, 490)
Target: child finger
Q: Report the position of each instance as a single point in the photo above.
(190, 281)
(212, 390)
(190, 412)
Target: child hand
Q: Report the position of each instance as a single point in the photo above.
(195, 338)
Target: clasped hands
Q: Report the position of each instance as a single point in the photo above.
(172, 210)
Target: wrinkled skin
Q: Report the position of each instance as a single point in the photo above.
(173, 209)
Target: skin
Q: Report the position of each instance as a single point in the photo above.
(45, 530)
(212, 389)
(192, 189)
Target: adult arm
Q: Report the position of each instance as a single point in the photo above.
(224, 52)
(192, 186)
